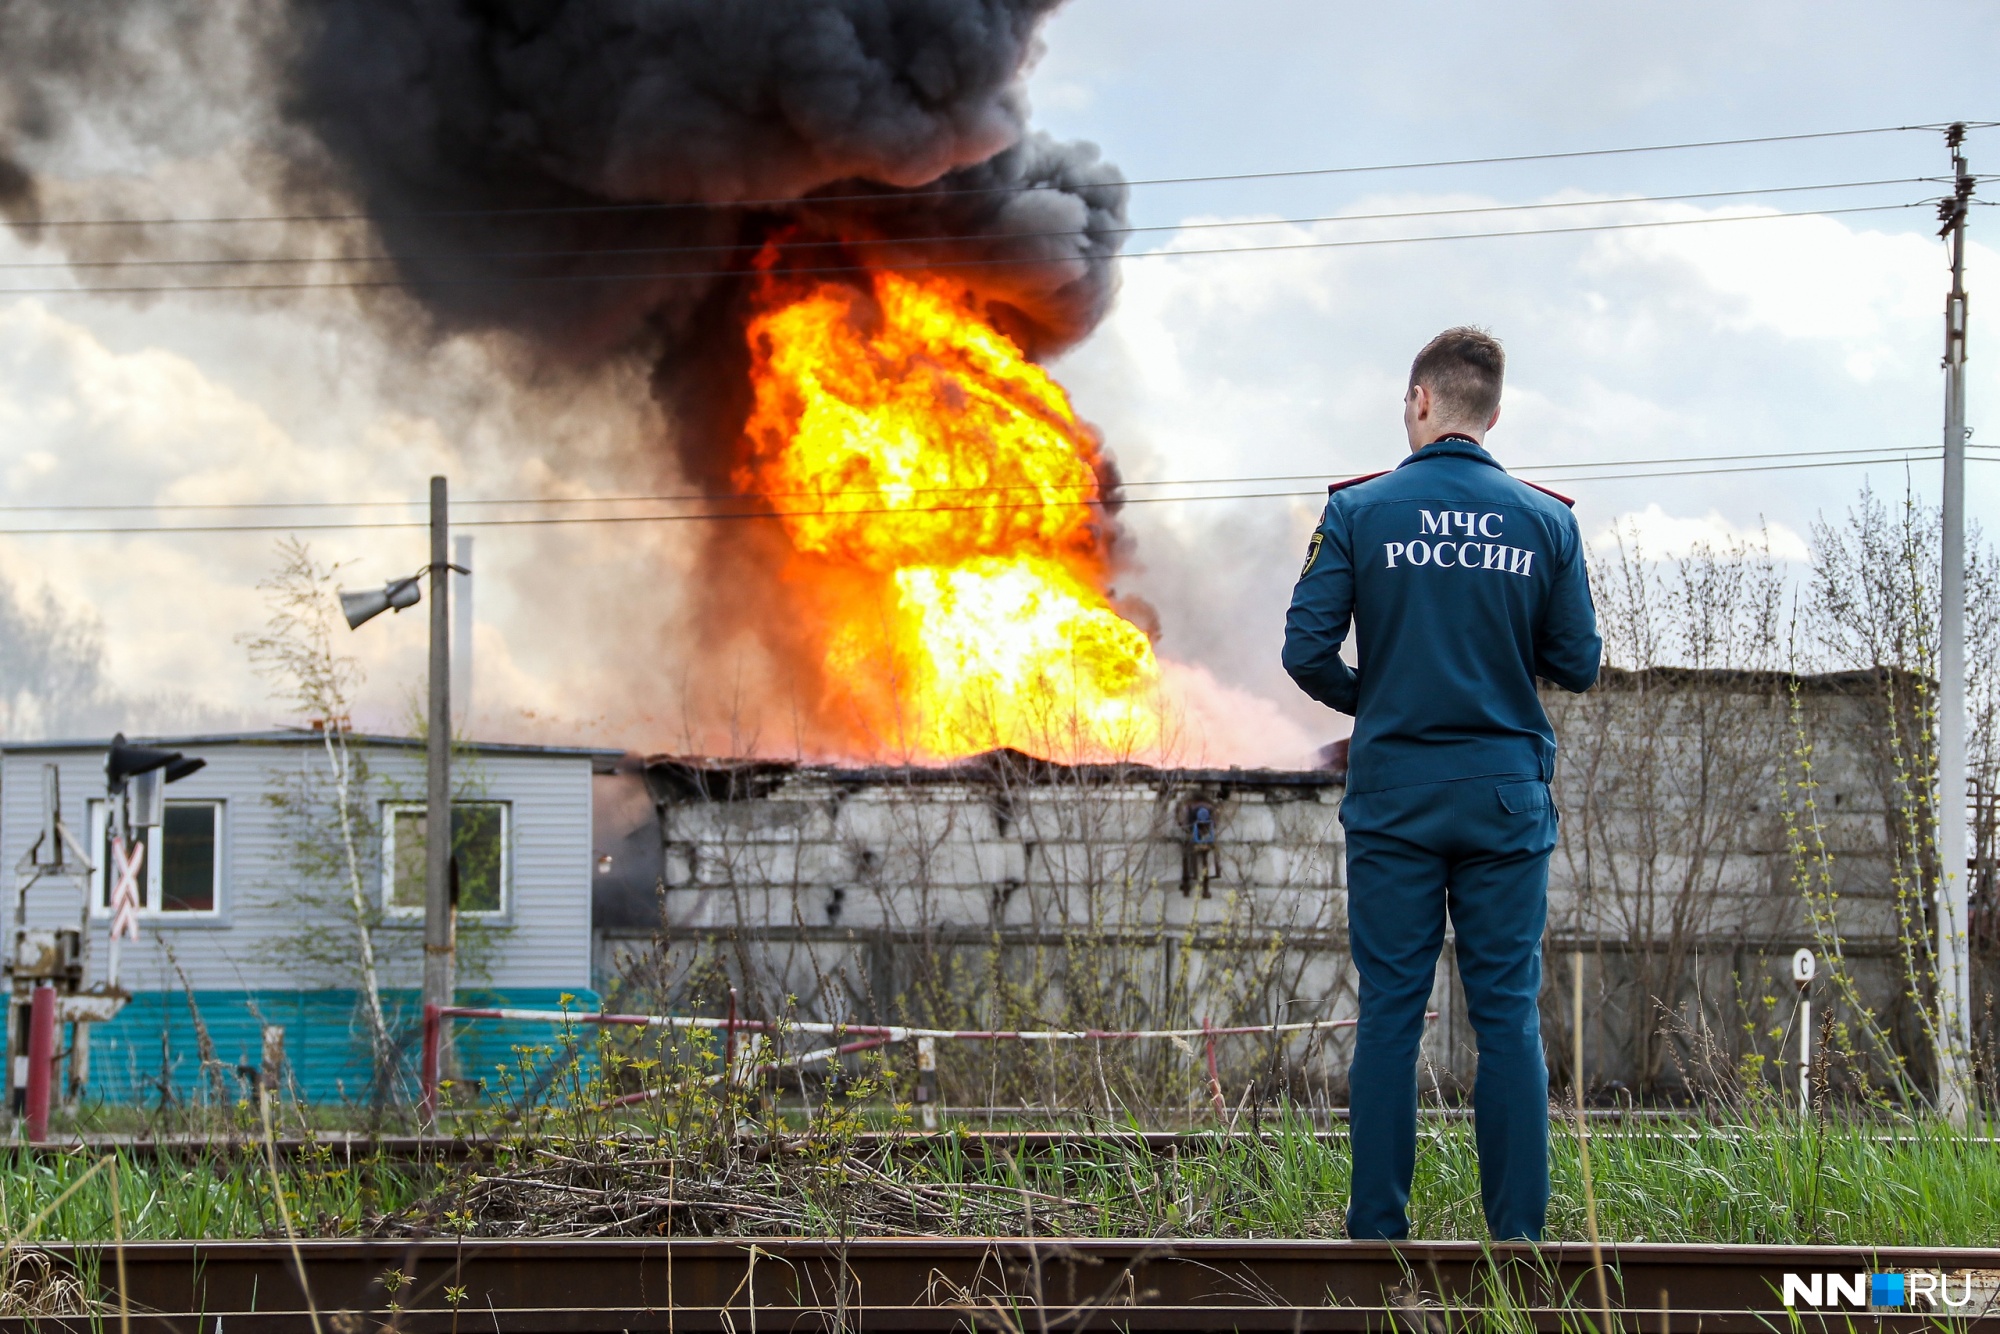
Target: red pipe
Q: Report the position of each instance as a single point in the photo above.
(427, 1076)
(41, 1060)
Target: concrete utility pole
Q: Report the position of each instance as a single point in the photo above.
(1954, 1017)
(439, 936)
(461, 631)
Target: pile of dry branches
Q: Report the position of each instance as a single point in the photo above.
(783, 1185)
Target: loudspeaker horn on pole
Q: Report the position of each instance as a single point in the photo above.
(367, 604)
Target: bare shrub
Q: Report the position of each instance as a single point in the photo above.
(1664, 779)
(333, 830)
(1873, 605)
(330, 806)
(1002, 894)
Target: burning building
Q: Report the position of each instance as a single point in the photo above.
(998, 892)
(822, 231)
(1007, 892)
(825, 237)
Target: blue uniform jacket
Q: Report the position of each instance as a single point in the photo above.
(1463, 585)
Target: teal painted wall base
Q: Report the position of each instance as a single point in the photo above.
(151, 1051)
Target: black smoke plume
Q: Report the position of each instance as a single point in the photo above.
(572, 171)
(17, 191)
(593, 178)
(587, 173)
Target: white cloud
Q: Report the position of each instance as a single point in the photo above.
(83, 421)
(1810, 277)
(85, 424)
(1656, 534)
(1786, 335)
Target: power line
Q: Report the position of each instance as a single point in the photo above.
(742, 247)
(1874, 454)
(889, 195)
(1765, 467)
(767, 515)
(1721, 458)
(1830, 458)
(684, 276)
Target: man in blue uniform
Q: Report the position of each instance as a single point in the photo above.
(1463, 585)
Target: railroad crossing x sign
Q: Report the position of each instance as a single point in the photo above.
(125, 863)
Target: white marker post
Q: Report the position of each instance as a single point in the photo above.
(1803, 966)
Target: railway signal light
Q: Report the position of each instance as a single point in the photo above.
(125, 762)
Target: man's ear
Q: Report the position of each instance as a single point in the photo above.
(1493, 420)
(1420, 400)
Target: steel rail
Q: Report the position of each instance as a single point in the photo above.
(1062, 1285)
(351, 1148)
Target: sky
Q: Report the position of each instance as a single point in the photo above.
(1746, 337)
(1733, 338)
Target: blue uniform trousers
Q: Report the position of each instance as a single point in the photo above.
(1478, 849)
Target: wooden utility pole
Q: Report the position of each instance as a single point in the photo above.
(1954, 1009)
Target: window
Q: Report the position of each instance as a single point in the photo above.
(182, 872)
(478, 847)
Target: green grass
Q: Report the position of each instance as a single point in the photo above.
(222, 1195)
(1772, 1183)
(1912, 1184)
(1775, 1181)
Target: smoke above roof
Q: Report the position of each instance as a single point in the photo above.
(585, 173)
(588, 181)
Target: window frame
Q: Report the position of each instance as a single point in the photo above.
(153, 871)
(414, 915)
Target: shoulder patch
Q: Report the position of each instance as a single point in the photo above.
(1357, 481)
(1545, 491)
(1312, 552)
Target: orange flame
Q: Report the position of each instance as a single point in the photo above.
(940, 496)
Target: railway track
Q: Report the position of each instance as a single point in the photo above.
(742, 1285)
(445, 1148)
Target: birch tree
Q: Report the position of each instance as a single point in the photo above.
(333, 834)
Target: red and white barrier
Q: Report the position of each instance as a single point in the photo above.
(869, 1035)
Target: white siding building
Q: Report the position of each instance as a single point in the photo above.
(247, 918)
